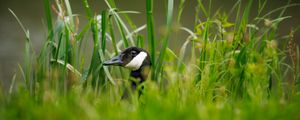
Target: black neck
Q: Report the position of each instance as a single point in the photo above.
(137, 74)
(140, 75)
(137, 77)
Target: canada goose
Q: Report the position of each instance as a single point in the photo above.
(138, 61)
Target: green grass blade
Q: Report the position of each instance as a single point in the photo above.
(140, 41)
(70, 16)
(136, 31)
(49, 19)
(103, 30)
(150, 35)
(27, 59)
(112, 34)
(106, 71)
(122, 26)
(68, 66)
(87, 9)
(123, 34)
(201, 6)
(12, 84)
(181, 7)
(166, 39)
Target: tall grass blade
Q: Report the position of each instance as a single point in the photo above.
(150, 36)
(112, 34)
(181, 7)
(70, 16)
(166, 39)
(12, 84)
(27, 58)
(123, 34)
(68, 66)
(103, 30)
(122, 26)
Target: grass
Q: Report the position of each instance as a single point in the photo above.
(226, 69)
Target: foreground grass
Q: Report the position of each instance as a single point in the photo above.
(224, 70)
(175, 104)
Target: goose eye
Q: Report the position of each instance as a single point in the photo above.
(133, 53)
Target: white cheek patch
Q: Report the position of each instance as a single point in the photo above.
(137, 61)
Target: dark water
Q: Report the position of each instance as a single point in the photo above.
(31, 14)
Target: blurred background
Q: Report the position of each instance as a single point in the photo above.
(31, 14)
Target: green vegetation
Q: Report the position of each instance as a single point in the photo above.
(226, 69)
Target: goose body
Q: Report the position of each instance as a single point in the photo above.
(138, 61)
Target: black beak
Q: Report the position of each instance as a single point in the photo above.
(117, 60)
